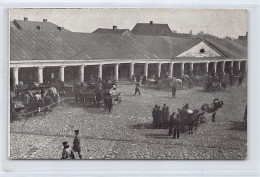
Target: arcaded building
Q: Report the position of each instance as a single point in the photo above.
(45, 52)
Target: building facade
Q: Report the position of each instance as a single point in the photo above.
(44, 52)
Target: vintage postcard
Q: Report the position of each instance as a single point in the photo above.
(135, 83)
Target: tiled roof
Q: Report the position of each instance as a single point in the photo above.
(152, 29)
(34, 25)
(230, 48)
(110, 31)
(42, 45)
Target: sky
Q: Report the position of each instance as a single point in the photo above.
(218, 22)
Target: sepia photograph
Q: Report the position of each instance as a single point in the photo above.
(128, 83)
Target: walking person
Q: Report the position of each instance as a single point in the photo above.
(137, 88)
(67, 152)
(173, 90)
(76, 143)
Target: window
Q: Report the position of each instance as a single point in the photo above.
(202, 51)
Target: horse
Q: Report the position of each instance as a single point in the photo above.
(188, 119)
(40, 104)
(213, 107)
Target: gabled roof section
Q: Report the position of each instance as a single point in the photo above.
(110, 31)
(230, 48)
(36, 25)
(152, 29)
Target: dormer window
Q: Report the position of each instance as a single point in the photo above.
(61, 28)
(202, 51)
(39, 27)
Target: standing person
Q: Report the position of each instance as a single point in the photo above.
(144, 80)
(67, 152)
(170, 123)
(76, 143)
(240, 79)
(137, 88)
(173, 90)
(108, 100)
(154, 114)
(165, 117)
(176, 127)
(159, 117)
(98, 98)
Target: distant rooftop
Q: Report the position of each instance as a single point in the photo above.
(152, 29)
(36, 25)
(185, 35)
(114, 30)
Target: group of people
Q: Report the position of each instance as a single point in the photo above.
(70, 153)
(163, 119)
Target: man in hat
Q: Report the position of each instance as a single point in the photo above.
(176, 126)
(67, 152)
(76, 143)
(173, 90)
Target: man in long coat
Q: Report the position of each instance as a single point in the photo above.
(154, 115)
(76, 143)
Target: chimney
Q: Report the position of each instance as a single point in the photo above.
(114, 27)
(25, 18)
(45, 20)
(151, 22)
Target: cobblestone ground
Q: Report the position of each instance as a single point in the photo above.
(126, 132)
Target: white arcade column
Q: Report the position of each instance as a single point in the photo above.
(215, 67)
(132, 69)
(81, 73)
(40, 74)
(116, 71)
(61, 74)
(223, 67)
(15, 76)
(238, 65)
(100, 71)
(171, 68)
(159, 66)
(191, 67)
(207, 67)
(182, 70)
(146, 69)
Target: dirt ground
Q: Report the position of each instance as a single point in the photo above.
(126, 132)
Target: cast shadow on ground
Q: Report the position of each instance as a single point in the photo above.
(240, 126)
(142, 126)
(158, 136)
